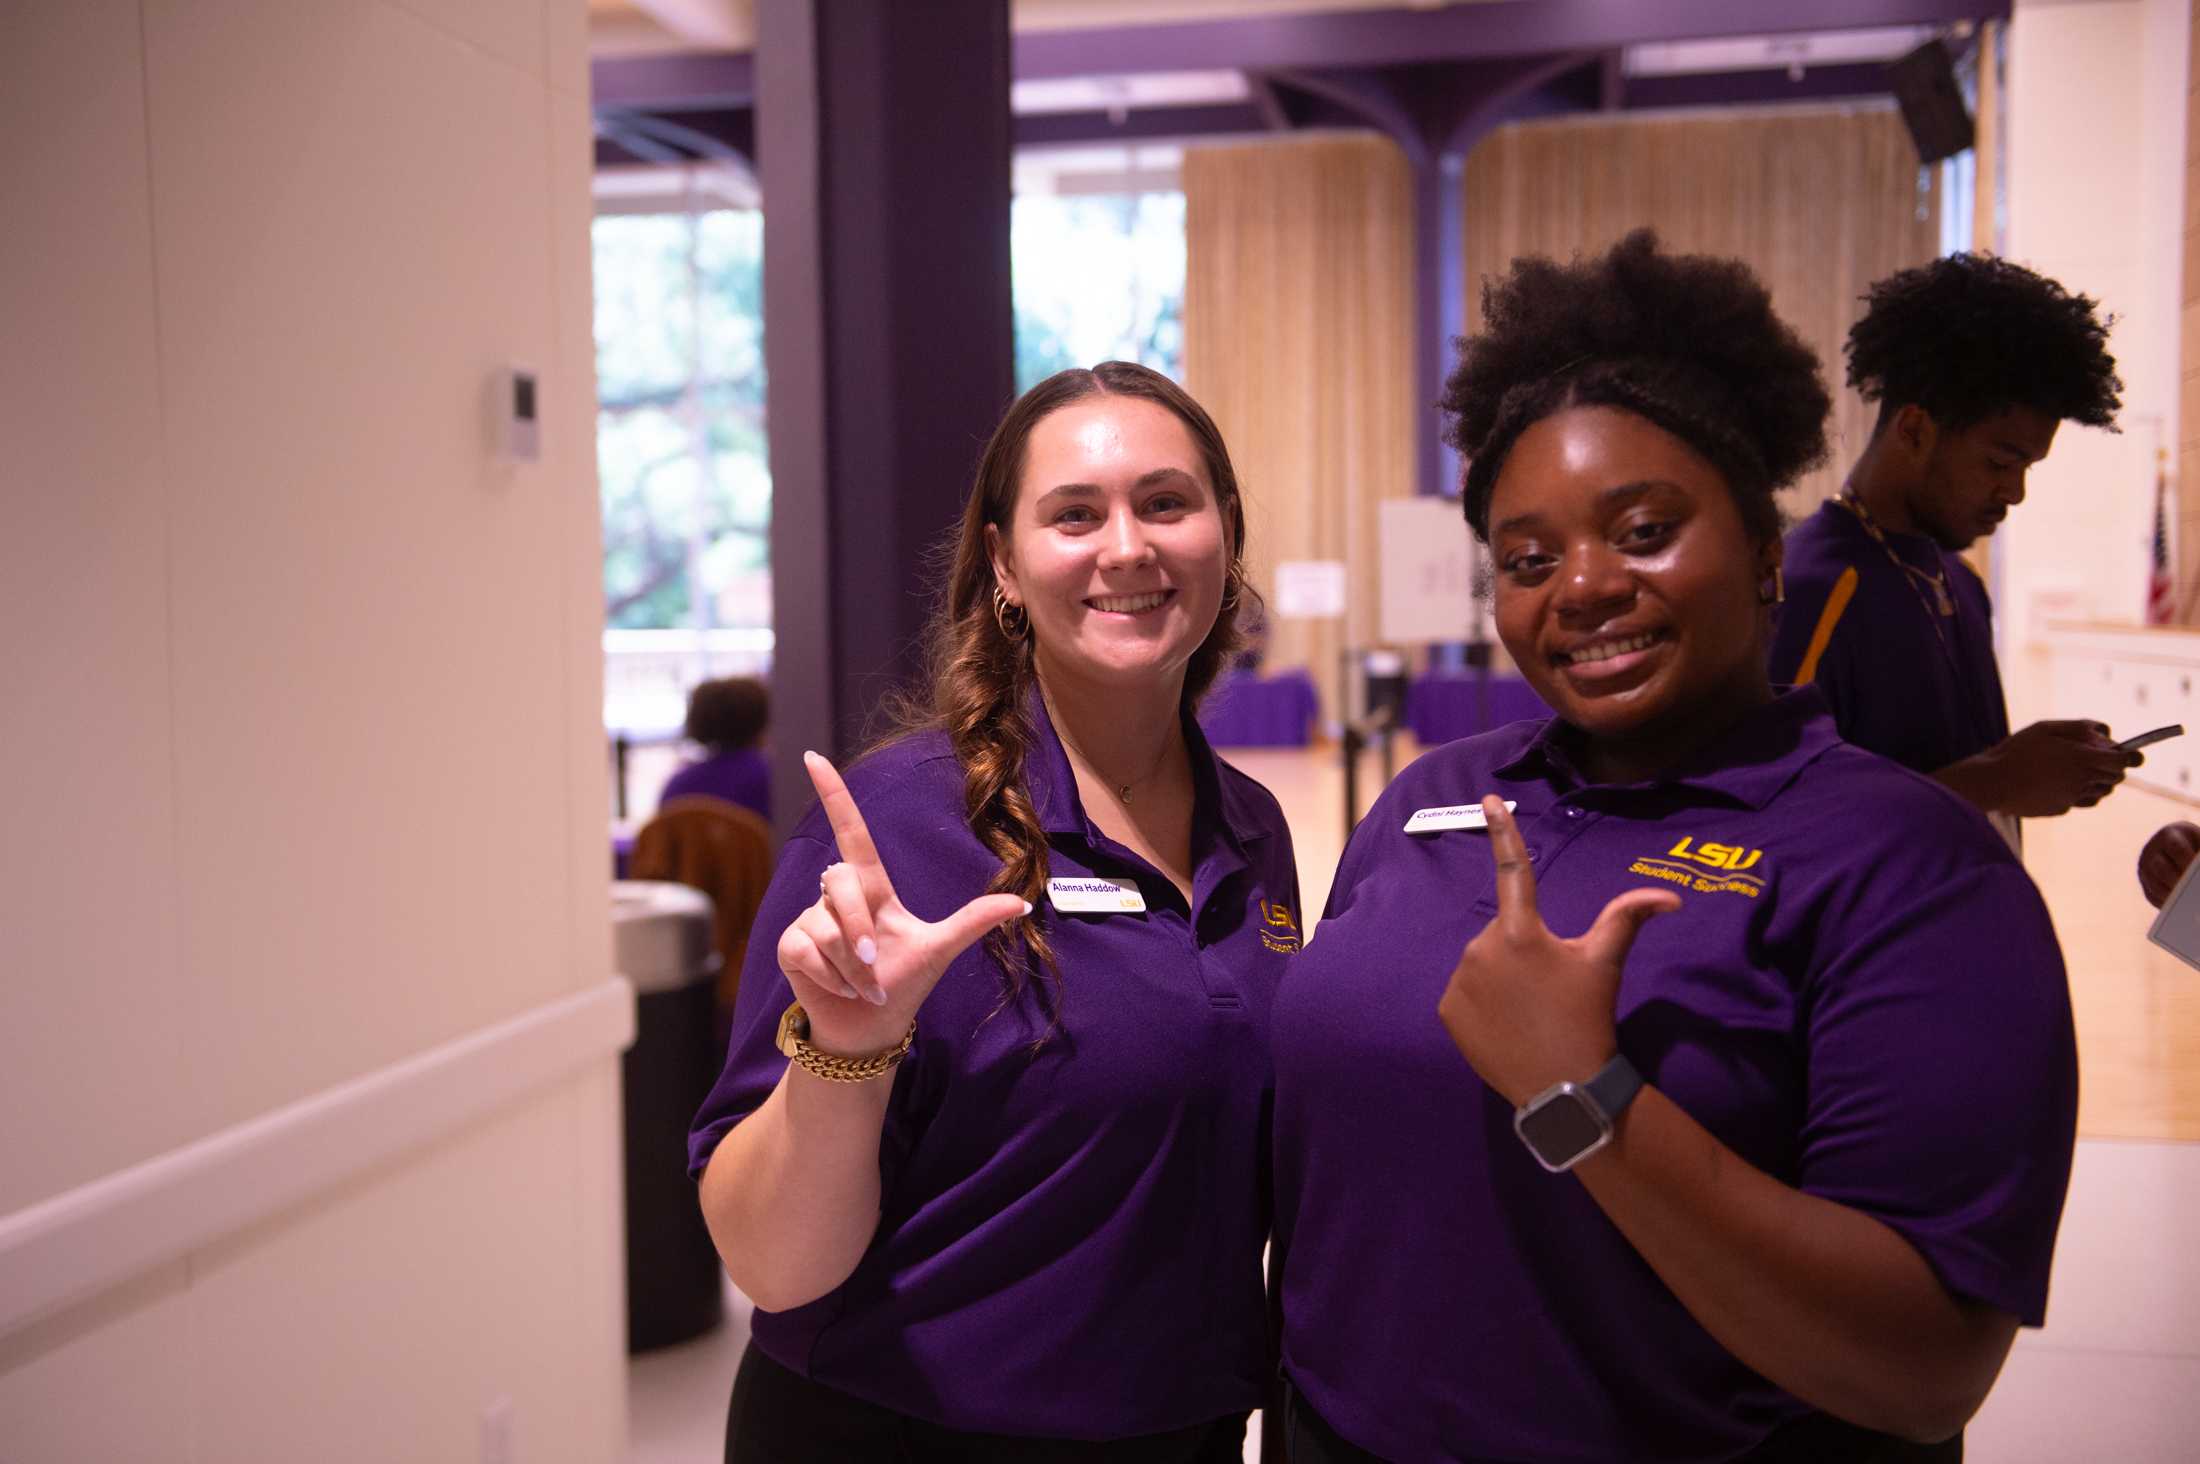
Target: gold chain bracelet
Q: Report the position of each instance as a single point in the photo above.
(794, 1041)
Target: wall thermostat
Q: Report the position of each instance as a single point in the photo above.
(515, 402)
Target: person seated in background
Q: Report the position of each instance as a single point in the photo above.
(2165, 858)
(727, 718)
(1975, 362)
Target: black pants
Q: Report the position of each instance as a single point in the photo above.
(780, 1417)
(1818, 1439)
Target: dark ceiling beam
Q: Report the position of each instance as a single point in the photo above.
(1429, 109)
(1455, 73)
(1577, 89)
(1308, 111)
(1139, 124)
(1348, 39)
(619, 142)
(1275, 111)
(681, 81)
(1362, 38)
(1364, 95)
(723, 136)
(1754, 88)
(1521, 77)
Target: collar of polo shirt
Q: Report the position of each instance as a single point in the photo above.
(1053, 784)
(1751, 764)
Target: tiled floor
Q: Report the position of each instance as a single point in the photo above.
(2114, 1377)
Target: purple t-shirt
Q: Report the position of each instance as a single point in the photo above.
(1903, 680)
(1070, 1243)
(1861, 995)
(742, 775)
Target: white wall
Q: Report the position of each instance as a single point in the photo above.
(300, 722)
(2096, 98)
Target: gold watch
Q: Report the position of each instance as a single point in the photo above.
(794, 1041)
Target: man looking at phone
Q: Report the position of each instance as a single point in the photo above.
(1975, 362)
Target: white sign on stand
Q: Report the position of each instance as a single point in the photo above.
(1428, 572)
(1310, 589)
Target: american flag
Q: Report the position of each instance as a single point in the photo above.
(2161, 584)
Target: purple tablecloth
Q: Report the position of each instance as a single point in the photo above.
(1245, 710)
(1446, 708)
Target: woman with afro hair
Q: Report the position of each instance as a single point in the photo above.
(1668, 1080)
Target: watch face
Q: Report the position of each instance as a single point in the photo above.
(1560, 1128)
(794, 1026)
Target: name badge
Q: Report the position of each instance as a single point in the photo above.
(1094, 895)
(1458, 816)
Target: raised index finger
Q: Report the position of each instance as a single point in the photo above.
(1515, 875)
(850, 834)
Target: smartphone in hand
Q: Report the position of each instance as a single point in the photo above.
(2148, 739)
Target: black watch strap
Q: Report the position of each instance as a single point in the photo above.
(1614, 1087)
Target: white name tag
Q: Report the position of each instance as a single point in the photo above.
(1095, 896)
(1458, 816)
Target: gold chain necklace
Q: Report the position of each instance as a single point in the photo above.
(1943, 603)
(1121, 790)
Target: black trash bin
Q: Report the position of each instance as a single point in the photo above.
(661, 943)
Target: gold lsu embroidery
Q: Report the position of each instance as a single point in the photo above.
(1278, 931)
(1709, 869)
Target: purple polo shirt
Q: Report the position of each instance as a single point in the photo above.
(1896, 687)
(1861, 995)
(1070, 1243)
(742, 775)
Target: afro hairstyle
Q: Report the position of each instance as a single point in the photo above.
(1687, 341)
(1971, 335)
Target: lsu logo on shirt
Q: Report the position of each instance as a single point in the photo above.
(1278, 931)
(1707, 869)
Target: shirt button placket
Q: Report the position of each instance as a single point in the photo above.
(1569, 818)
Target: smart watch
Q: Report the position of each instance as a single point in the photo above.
(1564, 1125)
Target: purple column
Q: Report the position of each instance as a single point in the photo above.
(1440, 305)
(883, 139)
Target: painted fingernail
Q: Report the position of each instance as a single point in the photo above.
(1027, 907)
(875, 996)
(849, 991)
(867, 951)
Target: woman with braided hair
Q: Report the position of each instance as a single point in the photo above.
(989, 1151)
(1758, 1145)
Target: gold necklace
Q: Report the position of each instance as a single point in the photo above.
(1121, 790)
(1943, 602)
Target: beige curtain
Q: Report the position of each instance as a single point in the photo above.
(1986, 179)
(1986, 147)
(1819, 201)
(1298, 338)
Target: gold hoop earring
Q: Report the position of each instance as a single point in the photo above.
(1233, 587)
(1005, 611)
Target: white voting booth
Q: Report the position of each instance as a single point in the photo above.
(1427, 573)
(1310, 589)
(1425, 581)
